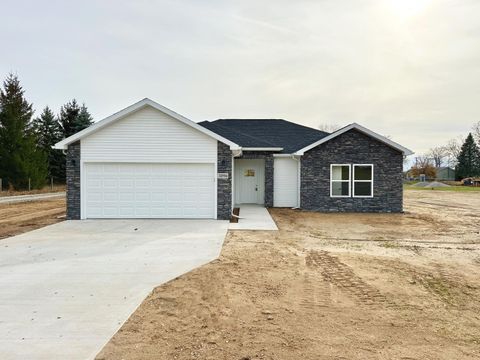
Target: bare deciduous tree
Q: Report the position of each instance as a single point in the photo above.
(438, 155)
(476, 132)
(329, 128)
(453, 148)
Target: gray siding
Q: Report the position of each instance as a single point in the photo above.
(73, 181)
(224, 186)
(352, 147)
(268, 157)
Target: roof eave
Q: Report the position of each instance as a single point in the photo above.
(262, 148)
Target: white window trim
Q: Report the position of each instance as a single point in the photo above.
(370, 181)
(349, 181)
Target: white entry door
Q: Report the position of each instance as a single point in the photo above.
(137, 190)
(249, 181)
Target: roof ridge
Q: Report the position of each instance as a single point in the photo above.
(244, 134)
(276, 119)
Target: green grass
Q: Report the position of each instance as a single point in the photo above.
(451, 188)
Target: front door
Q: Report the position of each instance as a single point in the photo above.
(249, 181)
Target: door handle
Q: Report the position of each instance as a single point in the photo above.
(256, 187)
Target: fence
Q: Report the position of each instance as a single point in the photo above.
(50, 185)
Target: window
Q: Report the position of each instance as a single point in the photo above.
(363, 180)
(340, 180)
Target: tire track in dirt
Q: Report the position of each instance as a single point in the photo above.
(341, 275)
(315, 293)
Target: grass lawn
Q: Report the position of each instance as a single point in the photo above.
(451, 188)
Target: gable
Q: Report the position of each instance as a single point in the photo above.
(130, 110)
(356, 145)
(363, 130)
(148, 135)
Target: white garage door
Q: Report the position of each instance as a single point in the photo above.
(121, 190)
(285, 182)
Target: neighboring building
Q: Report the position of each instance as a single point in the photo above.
(445, 173)
(147, 161)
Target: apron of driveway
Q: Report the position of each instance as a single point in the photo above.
(67, 288)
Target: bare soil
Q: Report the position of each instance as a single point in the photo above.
(18, 218)
(326, 286)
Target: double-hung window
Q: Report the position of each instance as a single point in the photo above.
(344, 183)
(363, 180)
(340, 180)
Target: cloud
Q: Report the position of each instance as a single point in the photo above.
(412, 77)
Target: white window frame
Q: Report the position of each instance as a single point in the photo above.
(349, 181)
(365, 181)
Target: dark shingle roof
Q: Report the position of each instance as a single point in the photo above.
(265, 133)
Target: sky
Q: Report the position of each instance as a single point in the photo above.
(408, 69)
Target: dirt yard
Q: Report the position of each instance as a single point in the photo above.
(18, 218)
(326, 286)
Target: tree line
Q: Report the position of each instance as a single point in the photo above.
(462, 154)
(26, 154)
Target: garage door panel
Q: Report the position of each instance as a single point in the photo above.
(149, 190)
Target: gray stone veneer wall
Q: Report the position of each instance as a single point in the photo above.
(73, 181)
(224, 186)
(352, 147)
(268, 157)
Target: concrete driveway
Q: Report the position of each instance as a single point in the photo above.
(67, 288)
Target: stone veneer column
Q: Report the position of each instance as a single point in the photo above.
(224, 186)
(73, 181)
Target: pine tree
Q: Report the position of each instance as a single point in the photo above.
(468, 161)
(48, 133)
(68, 118)
(74, 118)
(20, 158)
(84, 119)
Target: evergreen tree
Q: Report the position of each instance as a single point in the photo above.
(84, 119)
(468, 161)
(68, 118)
(48, 133)
(74, 118)
(20, 158)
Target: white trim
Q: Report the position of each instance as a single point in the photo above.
(362, 129)
(132, 108)
(364, 181)
(283, 155)
(232, 182)
(215, 189)
(262, 149)
(82, 191)
(342, 181)
(299, 179)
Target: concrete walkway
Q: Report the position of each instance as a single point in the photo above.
(67, 288)
(35, 197)
(253, 217)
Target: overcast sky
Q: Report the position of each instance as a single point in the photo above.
(409, 69)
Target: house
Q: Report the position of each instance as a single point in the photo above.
(445, 173)
(147, 161)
